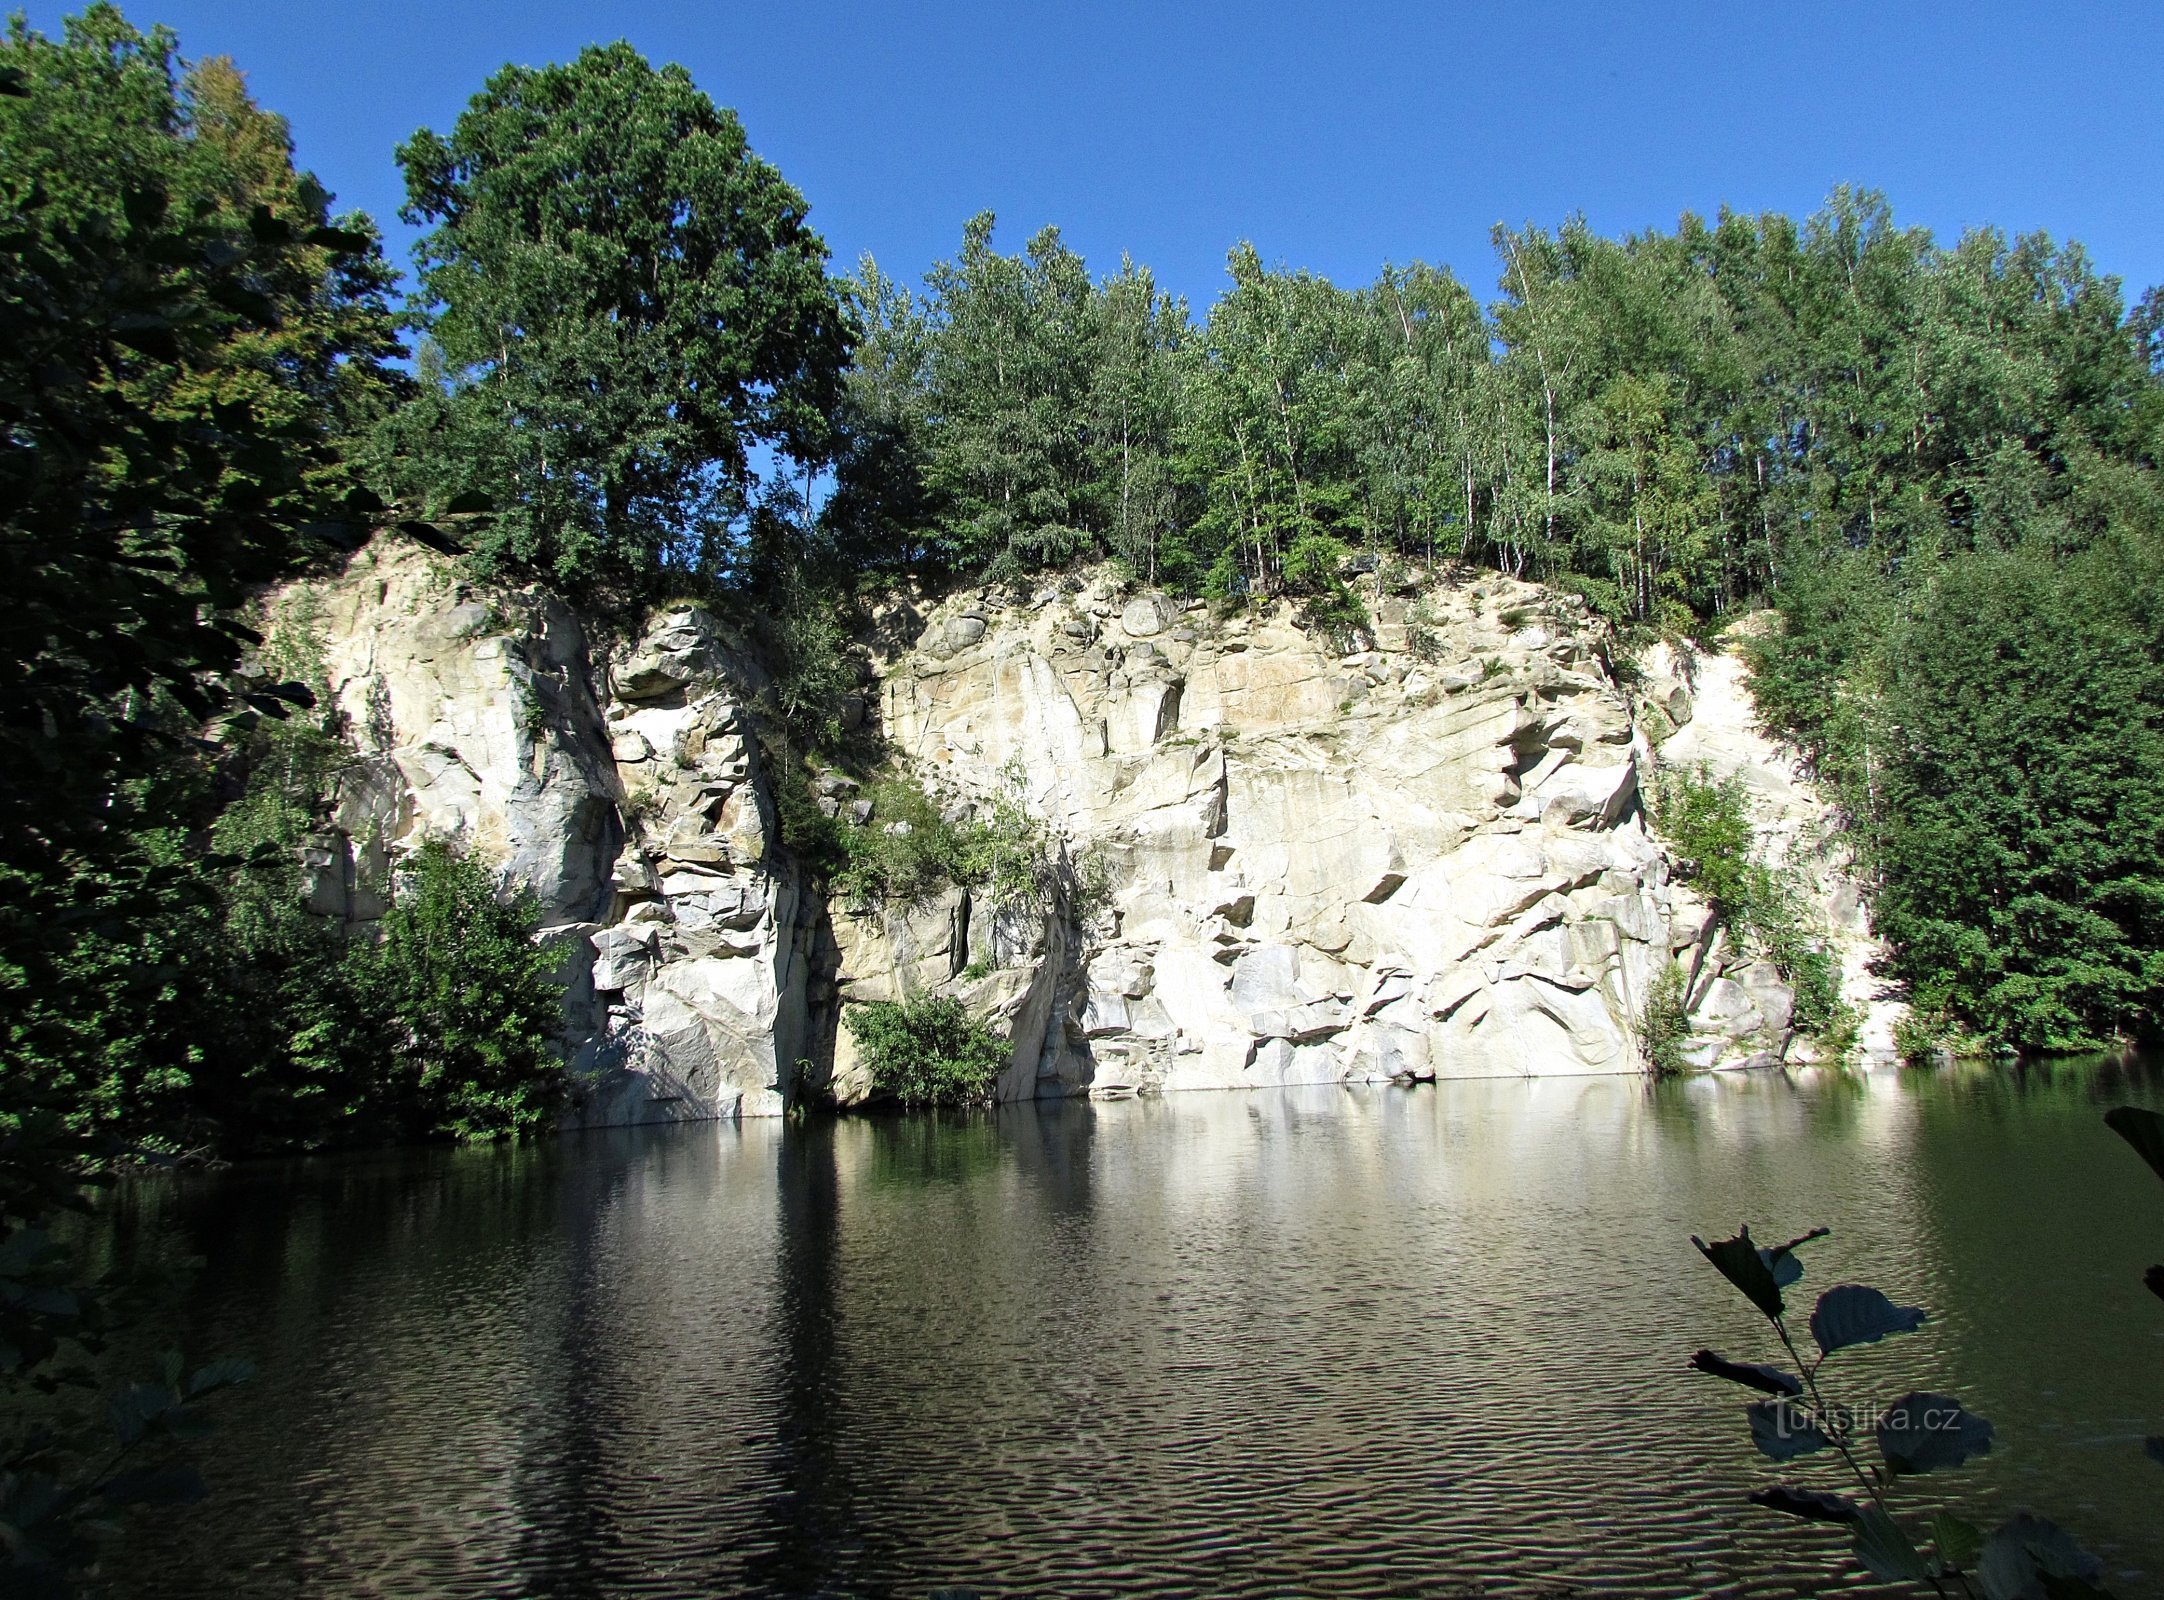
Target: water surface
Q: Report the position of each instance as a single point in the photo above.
(1345, 1342)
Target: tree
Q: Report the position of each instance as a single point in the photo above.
(471, 1001)
(626, 305)
(1270, 428)
(175, 375)
(1134, 405)
(1014, 347)
(183, 340)
(883, 512)
(2019, 832)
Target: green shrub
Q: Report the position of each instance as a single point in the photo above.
(1708, 826)
(812, 669)
(1919, 1039)
(927, 1051)
(907, 850)
(1664, 1023)
(470, 1000)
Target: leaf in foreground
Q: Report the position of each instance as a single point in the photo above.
(1743, 1264)
(1924, 1432)
(2029, 1558)
(1852, 1314)
(1813, 1505)
(1751, 1374)
(1783, 1430)
(1882, 1546)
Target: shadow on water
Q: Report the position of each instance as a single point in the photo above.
(808, 1509)
(1357, 1342)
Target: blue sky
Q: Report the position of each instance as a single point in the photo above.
(1335, 137)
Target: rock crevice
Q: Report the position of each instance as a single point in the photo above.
(1425, 859)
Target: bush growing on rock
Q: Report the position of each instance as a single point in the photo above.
(1664, 1023)
(927, 1051)
(1707, 823)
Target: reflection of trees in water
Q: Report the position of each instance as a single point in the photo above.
(1193, 1338)
(393, 1302)
(807, 1515)
(571, 1421)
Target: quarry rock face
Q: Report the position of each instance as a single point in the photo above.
(1283, 863)
(620, 784)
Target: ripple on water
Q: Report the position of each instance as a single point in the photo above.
(1335, 1343)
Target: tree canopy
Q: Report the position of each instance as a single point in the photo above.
(624, 307)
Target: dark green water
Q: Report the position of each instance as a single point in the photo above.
(1387, 1342)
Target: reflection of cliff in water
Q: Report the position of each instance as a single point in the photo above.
(1372, 1341)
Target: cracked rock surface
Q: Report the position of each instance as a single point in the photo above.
(1429, 858)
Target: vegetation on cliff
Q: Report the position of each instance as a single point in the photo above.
(926, 1051)
(637, 375)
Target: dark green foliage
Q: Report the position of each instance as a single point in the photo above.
(470, 1001)
(1664, 1021)
(2018, 821)
(183, 339)
(621, 301)
(927, 1051)
(1009, 379)
(1708, 826)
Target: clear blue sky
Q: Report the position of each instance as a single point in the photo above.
(1336, 137)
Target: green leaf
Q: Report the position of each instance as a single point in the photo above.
(1886, 1550)
(1783, 1430)
(1813, 1505)
(1923, 1432)
(1742, 1264)
(2022, 1553)
(2143, 1129)
(134, 1409)
(1781, 1259)
(1959, 1540)
(1851, 1314)
(1766, 1380)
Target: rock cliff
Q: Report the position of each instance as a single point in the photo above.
(1425, 859)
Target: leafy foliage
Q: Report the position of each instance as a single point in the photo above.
(2019, 830)
(621, 302)
(1708, 825)
(926, 1051)
(471, 1001)
(1914, 1434)
(1664, 1022)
